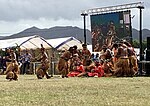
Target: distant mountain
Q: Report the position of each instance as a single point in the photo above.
(54, 32)
(145, 34)
(59, 32)
(1, 37)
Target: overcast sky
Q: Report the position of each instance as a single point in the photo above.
(17, 15)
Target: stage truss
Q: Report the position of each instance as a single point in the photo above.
(113, 8)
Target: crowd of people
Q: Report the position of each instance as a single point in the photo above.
(118, 60)
(14, 63)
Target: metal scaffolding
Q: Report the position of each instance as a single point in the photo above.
(113, 8)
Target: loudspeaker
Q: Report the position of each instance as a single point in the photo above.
(148, 55)
(148, 43)
(147, 68)
(147, 65)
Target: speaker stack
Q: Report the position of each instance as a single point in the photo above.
(147, 65)
(148, 43)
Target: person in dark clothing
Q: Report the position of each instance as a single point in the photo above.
(26, 59)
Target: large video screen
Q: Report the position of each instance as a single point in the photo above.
(109, 28)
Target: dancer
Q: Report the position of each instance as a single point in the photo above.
(12, 69)
(86, 54)
(122, 67)
(111, 34)
(43, 69)
(63, 64)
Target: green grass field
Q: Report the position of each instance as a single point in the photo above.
(29, 91)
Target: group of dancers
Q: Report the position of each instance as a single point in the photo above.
(13, 67)
(118, 60)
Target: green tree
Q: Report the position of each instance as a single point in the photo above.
(136, 44)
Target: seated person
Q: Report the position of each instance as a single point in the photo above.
(77, 66)
(89, 66)
(107, 66)
(97, 70)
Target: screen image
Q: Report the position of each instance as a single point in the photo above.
(109, 28)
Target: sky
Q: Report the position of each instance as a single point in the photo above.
(18, 15)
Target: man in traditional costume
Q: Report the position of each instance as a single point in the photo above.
(86, 54)
(106, 62)
(132, 57)
(63, 64)
(12, 69)
(43, 69)
(97, 70)
(122, 66)
(77, 66)
(111, 34)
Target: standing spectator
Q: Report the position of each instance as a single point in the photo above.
(2, 62)
(26, 59)
(7, 56)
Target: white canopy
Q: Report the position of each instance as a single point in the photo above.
(31, 42)
(64, 43)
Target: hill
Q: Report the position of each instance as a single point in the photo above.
(59, 32)
(54, 32)
(145, 34)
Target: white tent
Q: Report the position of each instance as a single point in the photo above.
(31, 42)
(64, 43)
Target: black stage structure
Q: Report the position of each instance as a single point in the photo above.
(103, 10)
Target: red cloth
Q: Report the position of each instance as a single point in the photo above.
(79, 70)
(73, 74)
(98, 71)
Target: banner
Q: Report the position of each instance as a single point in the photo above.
(109, 28)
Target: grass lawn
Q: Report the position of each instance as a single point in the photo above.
(29, 91)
